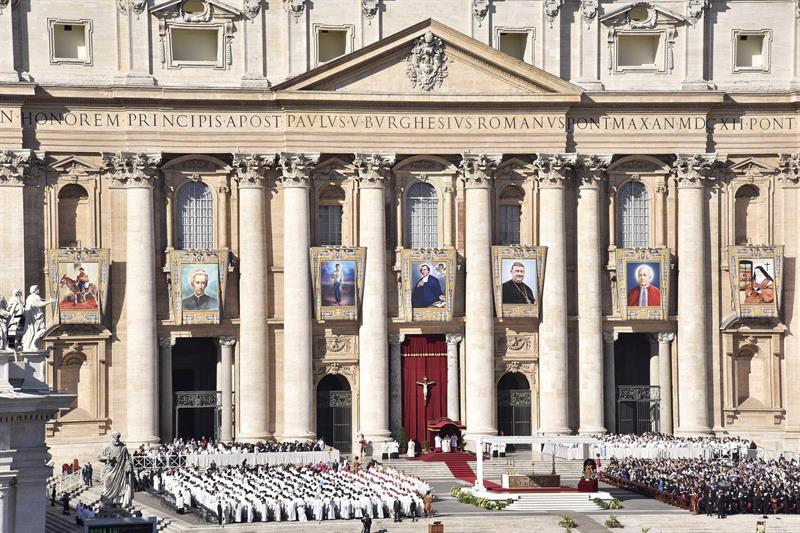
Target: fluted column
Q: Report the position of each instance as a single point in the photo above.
(253, 383)
(665, 380)
(373, 172)
(137, 173)
(226, 345)
(15, 168)
(477, 171)
(609, 381)
(453, 387)
(551, 172)
(692, 171)
(298, 419)
(165, 345)
(396, 383)
(590, 306)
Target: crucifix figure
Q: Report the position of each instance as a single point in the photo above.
(425, 384)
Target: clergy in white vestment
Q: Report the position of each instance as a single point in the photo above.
(411, 449)
(301, 509)
(290, 506)
(356, 505)
(377, 504)
(438, 440)
(345, 510)
(445, 444)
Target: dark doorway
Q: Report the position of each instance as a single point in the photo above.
(514, 407)
(637, 401)
(194, 370)
(335, 412)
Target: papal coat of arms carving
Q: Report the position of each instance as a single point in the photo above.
(427, 63)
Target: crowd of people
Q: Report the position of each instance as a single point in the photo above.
(261, 493)
(722, 486)
(207, 446)
(663, 440)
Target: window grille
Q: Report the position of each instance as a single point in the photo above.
(422, 217)
(509, 216)
(330, 225)
(633, 220)
(195, 217)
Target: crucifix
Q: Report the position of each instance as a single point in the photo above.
(425, 384)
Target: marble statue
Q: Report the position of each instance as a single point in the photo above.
(34, 320)
(118, 474)
(16, 310)
(5, 321)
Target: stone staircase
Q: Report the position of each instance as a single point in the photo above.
(576, 502)
(493, 469)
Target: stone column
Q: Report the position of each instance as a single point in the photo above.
(166, 403)
(453, 387)
(477, 171)
(692, 171)
(373, 172)
(665, 380)
(169, 201)
(7, 505)
(298, 418)
(653, 360)
(226, 345)
(589, 32)
(551, 172)
(15, 167)
(8, 74)
(252, 385)
(137, 173)
(396, 383)
(609, 381)
(590, 307)
(222, 216)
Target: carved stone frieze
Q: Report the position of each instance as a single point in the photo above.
(132, 169)
(251, 169)
(16, 166)
(478, 170)
(480, 8)
(251, 8)
(695, 8)
(588, 10)
(426, 64)
(296, 8)
(528, 368)
(348, 370)
(336, 345)
(693, 170)
(370, 8)
(515, 345)
(373, 170)
(297, 168)
(552, 170)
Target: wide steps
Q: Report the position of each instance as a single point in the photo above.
(542, 503)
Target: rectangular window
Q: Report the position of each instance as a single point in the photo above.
(70, 41)
(330, 225)
(751, 50)
(200, 46)
(638, 51)
(514, 44)
(331, 44)
(509, 216)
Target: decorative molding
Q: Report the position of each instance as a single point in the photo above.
(396, 339)
(132, 169)
(348, 370)
(589, 11)
(251, 169)
(551, 9)
(370, 8)
(16, 166)
(477, 170)
(515, 345)
(693, 170)
(592, 169)
(480, 8)
(226, 341)
(296, 8)
(695, 8)
(335, 345)
(609, 337)
(373, 170)
(251, 8)
(552, 170)
(789, 168)
(453, 338)
(296, 168)
(426, 64)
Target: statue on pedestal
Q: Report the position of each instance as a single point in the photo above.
(34, 320)
(5, 321)
(16, 310)
(118, 474)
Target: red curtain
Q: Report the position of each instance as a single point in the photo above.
(423, 356)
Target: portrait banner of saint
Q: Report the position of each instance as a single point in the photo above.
(338, 276)
(428, 284)
(756, 274)
(78, 280)
(198, 285)
(642, 283)
(518, 274)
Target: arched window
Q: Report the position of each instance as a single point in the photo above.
(422, 217)
(195, 216)
(633, 216)
(747, 224)
(74, 217)
(330, 216)
(509, 215)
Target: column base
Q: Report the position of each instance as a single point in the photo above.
(592, 430)
(255, 82)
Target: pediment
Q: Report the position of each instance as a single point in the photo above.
(642, 15)
(74, 165)
(750, 167)
(213, 9)
(430, 59)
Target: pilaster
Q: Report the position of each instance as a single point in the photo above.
(16, 167)
(135, 15)
(254, 35)
(551, 35)
(396, 382)
(589, 35)
(694, 78)
(8, 70)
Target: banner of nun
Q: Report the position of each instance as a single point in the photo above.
(198, 285)
(429, 281)
(338, 277)
(756, 274)
(518, 276)
(643, 283)
(78, 280)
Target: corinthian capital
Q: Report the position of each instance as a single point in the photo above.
(789, 167)
(132, 169)
(694, 170)
(591, 169)
(15, 166)
(552, 170)
(251, 169)
(296, 168)
(373, 170)
(477, 170)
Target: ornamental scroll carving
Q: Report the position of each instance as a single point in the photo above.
(350, 371)
(694, 169)
(789, 167)
(296, 8)
(137, 6)
(251, 8)
(479, 10)
(251, 168)
(336, 345)
(132, 169)
(427, 63)
(515, 345)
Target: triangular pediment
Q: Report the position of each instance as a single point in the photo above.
(74, 165)
(430, 60)
(213, 8)
(751, 166)
(642, 15)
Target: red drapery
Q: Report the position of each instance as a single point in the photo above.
(423, 356)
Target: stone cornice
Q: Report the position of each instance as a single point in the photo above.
(477, 170)
(15, 166)
(132, 169)
(373, 170)
(552, 170)
(296, 168)
(694, 170)
(251, 169)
